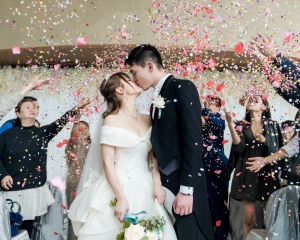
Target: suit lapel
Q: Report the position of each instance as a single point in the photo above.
(161, 93)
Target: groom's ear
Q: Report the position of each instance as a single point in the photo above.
(150, 66)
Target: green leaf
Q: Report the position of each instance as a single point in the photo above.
(126, 224)
(120, 236)
(145, 238)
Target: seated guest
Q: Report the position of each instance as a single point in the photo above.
(8, 103)
(215, 164)
(23, 159)
(10, 123)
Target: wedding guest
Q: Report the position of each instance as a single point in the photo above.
(76, 153)
(256, 135)
(215, 164)
(265, 49)
(23, 159)
(8, 103)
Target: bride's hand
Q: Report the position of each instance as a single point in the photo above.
(122, 207)
(159, 193)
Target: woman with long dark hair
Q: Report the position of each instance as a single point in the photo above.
(256, 135)
(23, 159)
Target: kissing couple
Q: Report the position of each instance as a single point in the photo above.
(147, 163)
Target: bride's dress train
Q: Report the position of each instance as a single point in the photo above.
(92, 217)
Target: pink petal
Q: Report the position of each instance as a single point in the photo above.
(217, 171)
(276, 84)
(57, 182)
(82, 41)
(34, 67)
(56, 67)
(16, 50)
(239, 128)
(287, 36)
(209, 148)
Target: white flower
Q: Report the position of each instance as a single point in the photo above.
(159, 102)
(134, 232)
(152, 235)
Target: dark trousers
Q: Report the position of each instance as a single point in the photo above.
(217, 187)
(187, 227)
(28, 226)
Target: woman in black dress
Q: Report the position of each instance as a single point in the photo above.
(256, 135)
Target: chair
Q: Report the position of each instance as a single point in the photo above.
(4, 219)
(5, 223)
(282, 216)
(22, 235)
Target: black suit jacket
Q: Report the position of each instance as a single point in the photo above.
(178, 134)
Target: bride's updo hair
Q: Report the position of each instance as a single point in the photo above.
(108, 90)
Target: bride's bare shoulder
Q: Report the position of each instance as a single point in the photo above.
(111, 120)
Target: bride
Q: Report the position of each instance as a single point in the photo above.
(131, 172)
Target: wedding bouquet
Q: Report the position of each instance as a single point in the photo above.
(150, 229)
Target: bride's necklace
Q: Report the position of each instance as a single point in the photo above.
(130, 115)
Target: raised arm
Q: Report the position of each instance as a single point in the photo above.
(289, 150)
(75, 144)
(8, 103)
(234, 135)
(55, 127)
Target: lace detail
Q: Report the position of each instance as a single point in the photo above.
(93, 176)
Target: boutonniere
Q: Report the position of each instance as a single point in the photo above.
(159, 103)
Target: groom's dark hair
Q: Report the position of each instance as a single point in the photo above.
(142, 54)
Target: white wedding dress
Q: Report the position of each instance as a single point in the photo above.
(92, 217)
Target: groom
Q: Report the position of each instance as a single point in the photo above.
(176, 140)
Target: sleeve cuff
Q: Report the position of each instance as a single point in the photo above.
(186, 190)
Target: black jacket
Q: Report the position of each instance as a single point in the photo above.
(178, 135)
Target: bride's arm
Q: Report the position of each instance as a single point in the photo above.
(158, 192)
(108, 155)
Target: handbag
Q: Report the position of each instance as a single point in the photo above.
(16, 219)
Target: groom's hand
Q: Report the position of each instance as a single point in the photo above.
(183, 204)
